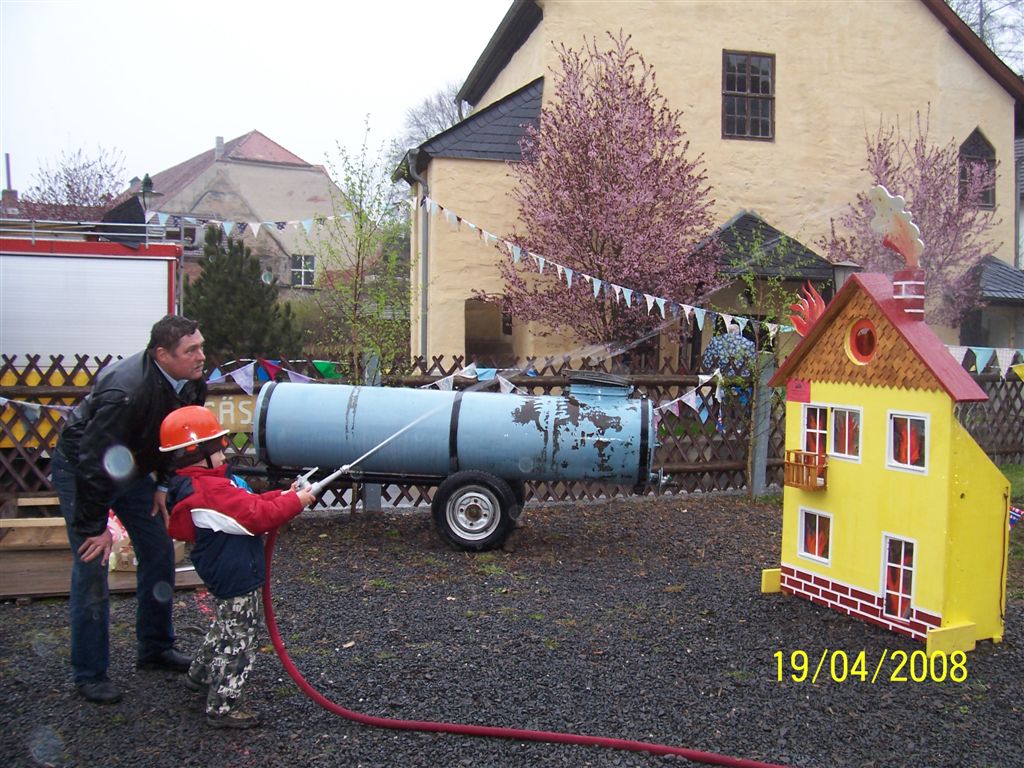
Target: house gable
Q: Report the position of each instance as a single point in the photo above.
(894, 363)
(908, 354)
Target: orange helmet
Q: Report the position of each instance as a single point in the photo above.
(185, 428)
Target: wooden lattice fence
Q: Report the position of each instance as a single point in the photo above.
(699, 454)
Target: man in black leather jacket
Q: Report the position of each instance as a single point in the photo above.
(108, 457)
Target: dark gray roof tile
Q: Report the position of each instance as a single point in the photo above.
(1000, 282)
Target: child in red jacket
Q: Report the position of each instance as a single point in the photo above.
(225, 523)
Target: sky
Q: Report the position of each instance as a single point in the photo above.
(158, 82)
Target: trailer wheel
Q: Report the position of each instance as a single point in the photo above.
(473, 510)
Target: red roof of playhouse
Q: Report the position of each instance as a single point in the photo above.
(921, 339)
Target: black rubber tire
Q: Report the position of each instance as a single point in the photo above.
(473, 510)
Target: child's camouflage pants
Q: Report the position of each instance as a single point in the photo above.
(229, 651)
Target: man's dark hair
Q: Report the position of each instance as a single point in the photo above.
(169, 330)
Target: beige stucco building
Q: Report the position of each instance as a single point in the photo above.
(830, 73)
(260, 193)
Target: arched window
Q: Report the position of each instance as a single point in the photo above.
(977, 153)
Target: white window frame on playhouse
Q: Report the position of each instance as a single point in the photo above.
(833, 451)
(886, 539)
(823, 433)
(802, 538)
(890, 460)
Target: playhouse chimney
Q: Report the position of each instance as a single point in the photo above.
(218, 148)
(908, 291)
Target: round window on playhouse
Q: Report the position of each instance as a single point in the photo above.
(862, 341)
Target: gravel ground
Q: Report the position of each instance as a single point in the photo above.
(637, 619)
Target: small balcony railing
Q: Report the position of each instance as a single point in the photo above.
(806, 470)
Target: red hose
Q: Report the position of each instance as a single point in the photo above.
(517, 734)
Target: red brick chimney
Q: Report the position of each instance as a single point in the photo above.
(908, 291)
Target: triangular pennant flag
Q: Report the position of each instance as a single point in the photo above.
(215, 376)
(327, 369)
(981, 357)
(1019, 370)
(517, 252)
(656, 420)
(1004, 355)
(540, 263)
(727, 319)
(162, 218)
(568, 277)
(704, 378)
(661, 307)
(506, 385)
(958, 353)
(650, 302)
(628, 294)
(445, 383)
(434, 208)
(596, 283)
(690, 399)
(469, 372)
(31, 411)
(773, 328)
(228, 226)
(743, 321)
(618, 291)
(698, 313)
(243, 377)
(295, 377)
(255, 226)
(271, 367)
(307, 224)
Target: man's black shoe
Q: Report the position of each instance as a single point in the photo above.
(99, 691)
(169, 660)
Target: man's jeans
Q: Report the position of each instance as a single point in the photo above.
(90, 597)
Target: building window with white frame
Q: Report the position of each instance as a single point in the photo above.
(908, 442)
(815, 535)
(846, 433)
(899, 577)
(815, 429)
(303, 271)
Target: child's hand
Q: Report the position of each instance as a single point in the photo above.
(305, 497)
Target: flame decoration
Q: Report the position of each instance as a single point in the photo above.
(807, 309)
(892, 221)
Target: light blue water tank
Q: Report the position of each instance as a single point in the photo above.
(595, 432)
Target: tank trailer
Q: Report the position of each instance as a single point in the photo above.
(478, 449)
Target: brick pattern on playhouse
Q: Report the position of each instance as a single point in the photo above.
(854, 602)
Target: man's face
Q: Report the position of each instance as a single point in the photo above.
(185, 360)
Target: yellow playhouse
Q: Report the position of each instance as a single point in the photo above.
(892, 513)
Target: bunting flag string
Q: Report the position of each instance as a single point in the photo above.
(692, 399)
(472, 371)
(1004, 357)
(982, 355)
(174, 221)
(612, 291)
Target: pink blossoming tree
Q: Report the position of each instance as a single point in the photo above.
(606, 189)
(944, 195)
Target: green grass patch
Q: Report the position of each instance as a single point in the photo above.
(1015, 474)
